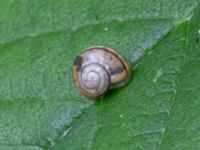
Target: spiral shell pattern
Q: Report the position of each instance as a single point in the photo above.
(98, 69)
(95, 79)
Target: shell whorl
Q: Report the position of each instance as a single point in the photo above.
(94, 78)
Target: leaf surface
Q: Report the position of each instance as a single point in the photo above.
(40, 107)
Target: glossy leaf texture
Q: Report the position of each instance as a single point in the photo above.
(41, 109)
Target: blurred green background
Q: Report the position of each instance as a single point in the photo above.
(41, 109)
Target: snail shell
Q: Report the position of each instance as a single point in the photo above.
(98, 69)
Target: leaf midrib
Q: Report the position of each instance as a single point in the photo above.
(81, 27)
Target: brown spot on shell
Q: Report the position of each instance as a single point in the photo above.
(78, 62)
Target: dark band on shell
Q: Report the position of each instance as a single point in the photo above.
(117, 70)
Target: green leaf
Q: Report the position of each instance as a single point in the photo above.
(40, 107)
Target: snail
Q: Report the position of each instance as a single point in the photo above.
(98, 69)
